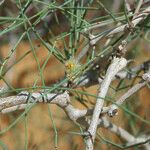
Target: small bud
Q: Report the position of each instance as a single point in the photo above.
(71, 66)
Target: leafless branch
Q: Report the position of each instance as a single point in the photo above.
(88, 80)
(141, 16)
(138, 8)
(116, 65)
(122, 28)
(131, 140)
(112, 110)
(127, 5)
(26, 99)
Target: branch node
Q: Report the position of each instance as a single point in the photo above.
(146, 77)
(113, 111)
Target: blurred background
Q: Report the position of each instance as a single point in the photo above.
(27, 63)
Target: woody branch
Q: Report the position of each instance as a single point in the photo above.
(26, 99)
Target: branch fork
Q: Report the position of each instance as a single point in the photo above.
(116, 65)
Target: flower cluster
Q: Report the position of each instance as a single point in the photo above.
(71, 67)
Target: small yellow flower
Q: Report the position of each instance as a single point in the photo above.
(71, 66)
